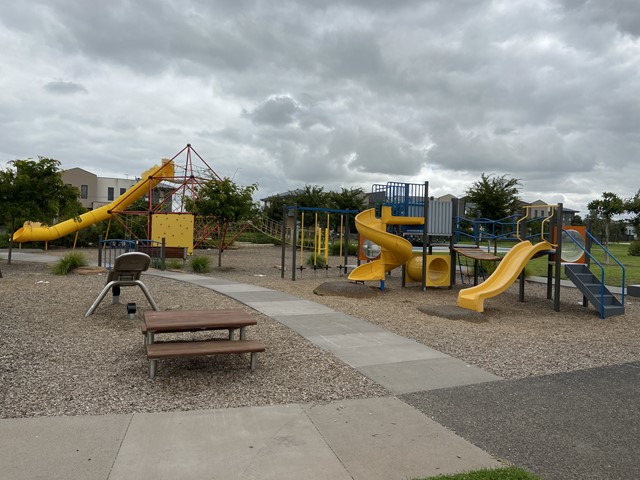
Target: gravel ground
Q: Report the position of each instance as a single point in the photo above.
(54, 361)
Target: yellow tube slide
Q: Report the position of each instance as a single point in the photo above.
(395, 250)
(36, 232)
(508, 270)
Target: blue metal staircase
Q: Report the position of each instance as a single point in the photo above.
(594, 290)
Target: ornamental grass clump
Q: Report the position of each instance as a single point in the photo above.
(316, 261)
(200, 264)
(69, 263)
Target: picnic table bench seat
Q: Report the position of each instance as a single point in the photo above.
(157, 351)
(178, 321)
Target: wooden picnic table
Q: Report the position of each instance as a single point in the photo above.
(175, 321)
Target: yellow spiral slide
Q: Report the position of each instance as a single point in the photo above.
(37, 232)
(394, 250)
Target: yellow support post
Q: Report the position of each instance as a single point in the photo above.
(326, 242)
(106, 235)
(326, 246)
(316, 247)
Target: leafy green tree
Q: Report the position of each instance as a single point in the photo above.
(311, 196)
(34, 190)
(606, 208)
(276, 206)
(577, 220)
(632, 205)
(347, 199)
(225, 201)
(495, 197)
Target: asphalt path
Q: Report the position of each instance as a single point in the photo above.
(578, 425)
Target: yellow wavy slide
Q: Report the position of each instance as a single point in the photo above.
(395, 250)
(508, 270)
(37, 232)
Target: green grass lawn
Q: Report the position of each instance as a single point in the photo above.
(612, 272)
(509, 473)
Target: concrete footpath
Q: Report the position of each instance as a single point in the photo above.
(380, 438)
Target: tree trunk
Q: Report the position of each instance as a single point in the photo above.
(11, 242)
(220, 247)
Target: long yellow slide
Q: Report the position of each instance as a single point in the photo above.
(36, 232)
(508, 270)
(394, 250)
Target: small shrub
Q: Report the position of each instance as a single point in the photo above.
(634, 248)
(334, 248)
(69, 263)
(200, 264)
(318, 261)
(174, 264)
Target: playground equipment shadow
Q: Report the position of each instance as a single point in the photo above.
(368, 438)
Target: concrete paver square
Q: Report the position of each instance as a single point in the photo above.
(210, 282)
(240, 287)
(60, 448)
(289, 307)
(335, 323)
(374, 348)
(430, 374)
(275, 442)
(185, 277)
(384, 438)
(260, 296)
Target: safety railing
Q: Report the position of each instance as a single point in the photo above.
(480, 229)
(109, 250)
(602, 270)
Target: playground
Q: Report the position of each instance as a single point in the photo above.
(57, 362)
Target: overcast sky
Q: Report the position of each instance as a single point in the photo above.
(333, 93)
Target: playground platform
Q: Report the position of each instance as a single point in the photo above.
(397, 436)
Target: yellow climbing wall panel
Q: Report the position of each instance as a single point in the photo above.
(176, 228)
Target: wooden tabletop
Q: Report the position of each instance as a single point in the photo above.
(181, 320)
(477, 254)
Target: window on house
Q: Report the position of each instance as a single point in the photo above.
(110, 193)
(122, 191)
(84, 191)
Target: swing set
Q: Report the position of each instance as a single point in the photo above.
(316, 234)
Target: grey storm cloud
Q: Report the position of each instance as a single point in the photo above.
(339, 93)
(277, 110)
(64, 88)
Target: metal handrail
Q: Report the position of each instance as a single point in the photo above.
(602, 272)
(109, 249)
(554, 209)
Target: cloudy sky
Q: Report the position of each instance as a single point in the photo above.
(333, 93)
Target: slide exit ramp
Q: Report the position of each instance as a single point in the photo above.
(505, 274)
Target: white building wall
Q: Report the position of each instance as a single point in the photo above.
(104, 183)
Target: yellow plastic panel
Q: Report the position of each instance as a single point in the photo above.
(176, 228)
